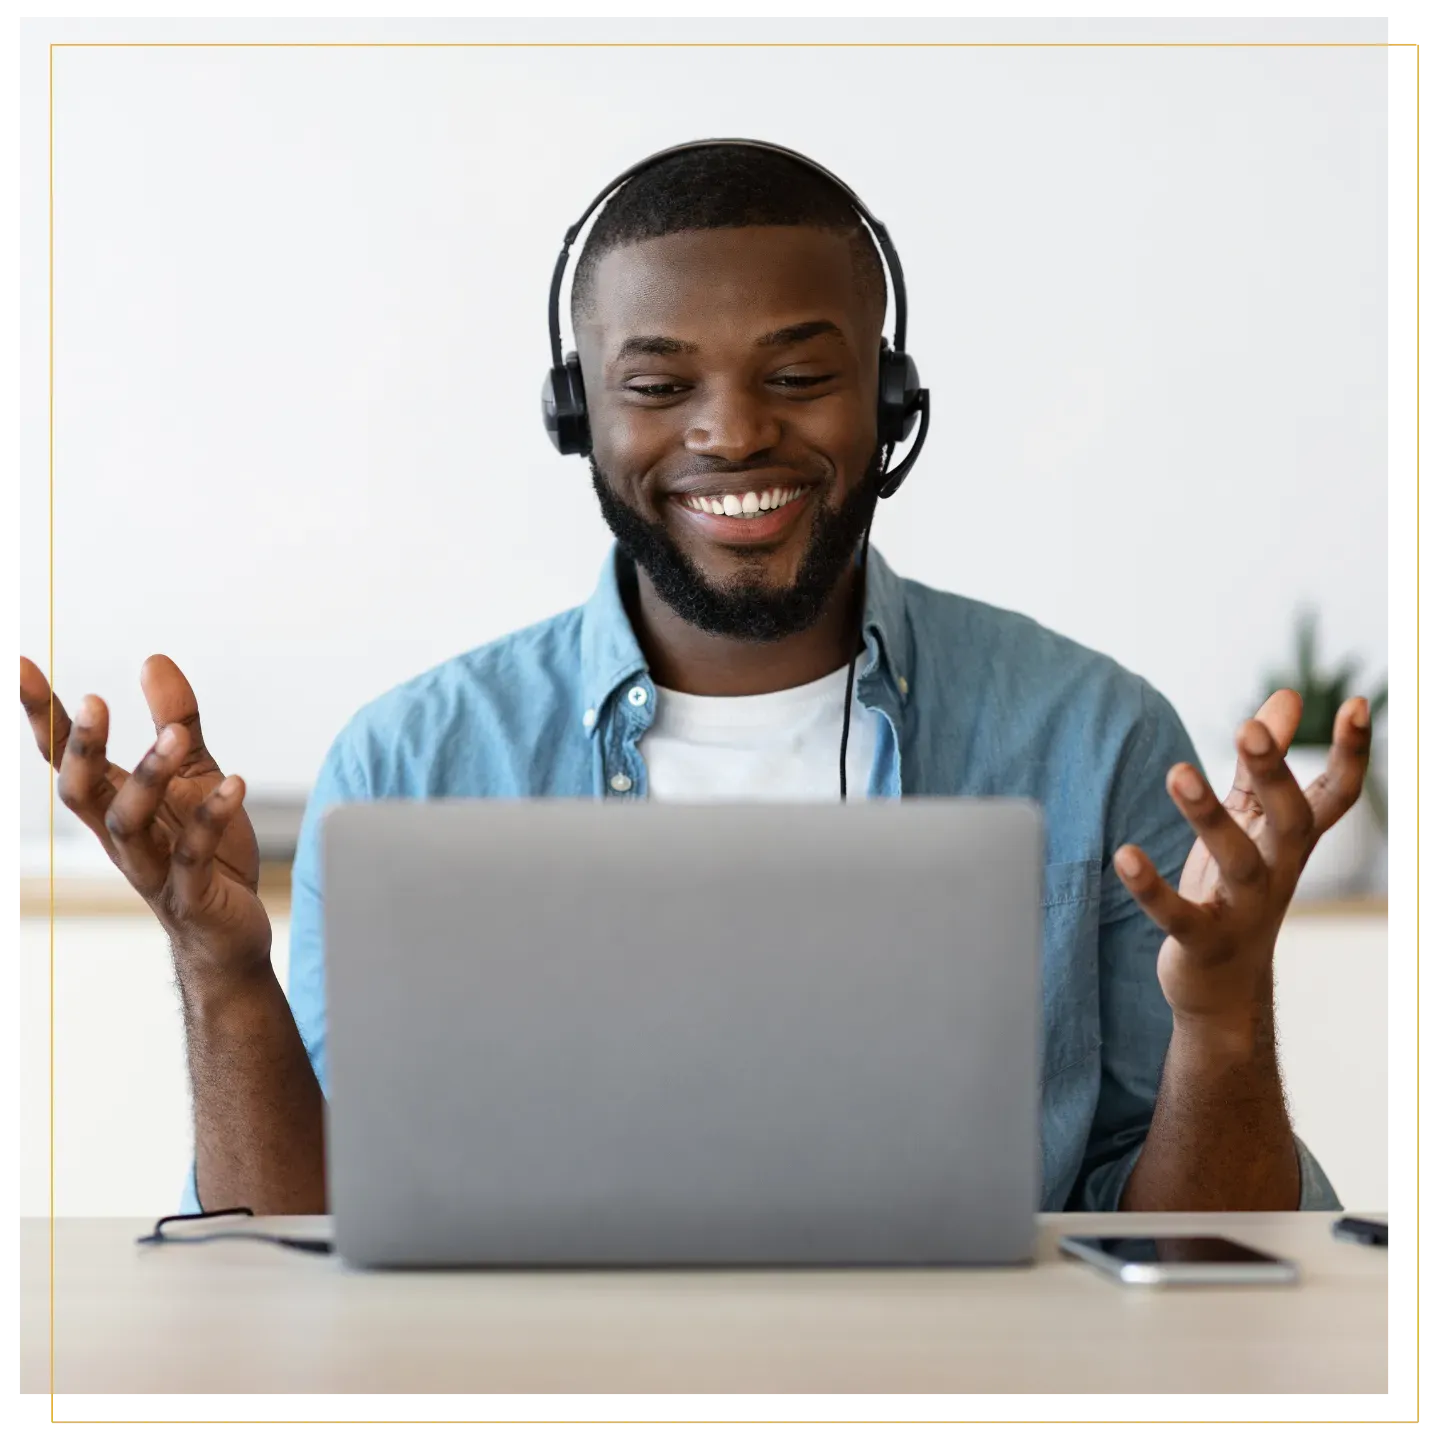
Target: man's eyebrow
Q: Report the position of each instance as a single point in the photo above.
(653, 347)
(786, 336)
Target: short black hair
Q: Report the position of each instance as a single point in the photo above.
(722, 186)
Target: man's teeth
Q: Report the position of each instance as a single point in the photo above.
(749, 505)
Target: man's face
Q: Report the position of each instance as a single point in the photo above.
(731, 378)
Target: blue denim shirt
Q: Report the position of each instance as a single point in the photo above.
(970, 700)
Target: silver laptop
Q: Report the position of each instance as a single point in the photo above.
(581, 1032)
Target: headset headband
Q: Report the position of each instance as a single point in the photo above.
(879, 232)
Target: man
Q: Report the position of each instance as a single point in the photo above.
(728, 309)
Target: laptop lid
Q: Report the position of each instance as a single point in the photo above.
(594, 1032)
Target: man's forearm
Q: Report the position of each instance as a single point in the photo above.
(258, 1110)
(1220, 1138)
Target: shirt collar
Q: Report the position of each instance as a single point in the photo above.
(610, 655)
(609, 652)
(884, 621)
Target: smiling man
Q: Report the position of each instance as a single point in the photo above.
(728, 309)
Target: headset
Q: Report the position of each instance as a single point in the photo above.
(902, 402)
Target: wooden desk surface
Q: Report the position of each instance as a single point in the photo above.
(244, 1316)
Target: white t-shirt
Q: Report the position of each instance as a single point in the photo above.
(762, 746)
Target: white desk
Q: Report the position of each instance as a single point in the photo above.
(241, 1316)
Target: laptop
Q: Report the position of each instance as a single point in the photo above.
(572, 1032)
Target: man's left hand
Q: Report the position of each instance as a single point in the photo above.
(1215, 965)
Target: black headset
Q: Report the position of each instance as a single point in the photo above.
(901, 399)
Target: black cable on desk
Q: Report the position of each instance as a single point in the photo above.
(157, 1237)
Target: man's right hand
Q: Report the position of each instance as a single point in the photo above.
(175, 827)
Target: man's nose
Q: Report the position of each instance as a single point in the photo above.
(733, 423)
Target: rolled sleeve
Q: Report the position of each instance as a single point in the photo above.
(1101, 1187)
(1316, 1191)
(189, 1197)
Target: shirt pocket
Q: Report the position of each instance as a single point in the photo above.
(1070, 983)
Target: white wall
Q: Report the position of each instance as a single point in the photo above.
(299, 334)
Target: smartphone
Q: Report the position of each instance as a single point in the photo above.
(1179, 1260)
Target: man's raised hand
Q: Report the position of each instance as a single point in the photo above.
(175, 827)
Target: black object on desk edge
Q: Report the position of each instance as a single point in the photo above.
(1358, 1228)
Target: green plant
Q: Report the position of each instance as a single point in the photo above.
(1321, 697)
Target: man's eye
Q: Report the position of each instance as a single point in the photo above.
(656, 389)
(796, 382)
(670, 389)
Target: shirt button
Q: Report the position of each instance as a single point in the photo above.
(590, 718)
(902, 684)
(620, 783)
(637, 697)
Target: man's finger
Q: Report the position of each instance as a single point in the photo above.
(1230, 846)
(87, 783)
(1280, 714)
(1178, 917)
(192, 858)
(36, 699)
(1339, 787)
(130, 819)
(1286, 808)
(171, 701)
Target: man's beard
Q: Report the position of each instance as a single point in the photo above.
(746, 608)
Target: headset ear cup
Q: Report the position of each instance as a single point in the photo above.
(579, 440)
(548, 399)
(898, 388)
(565, 408)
